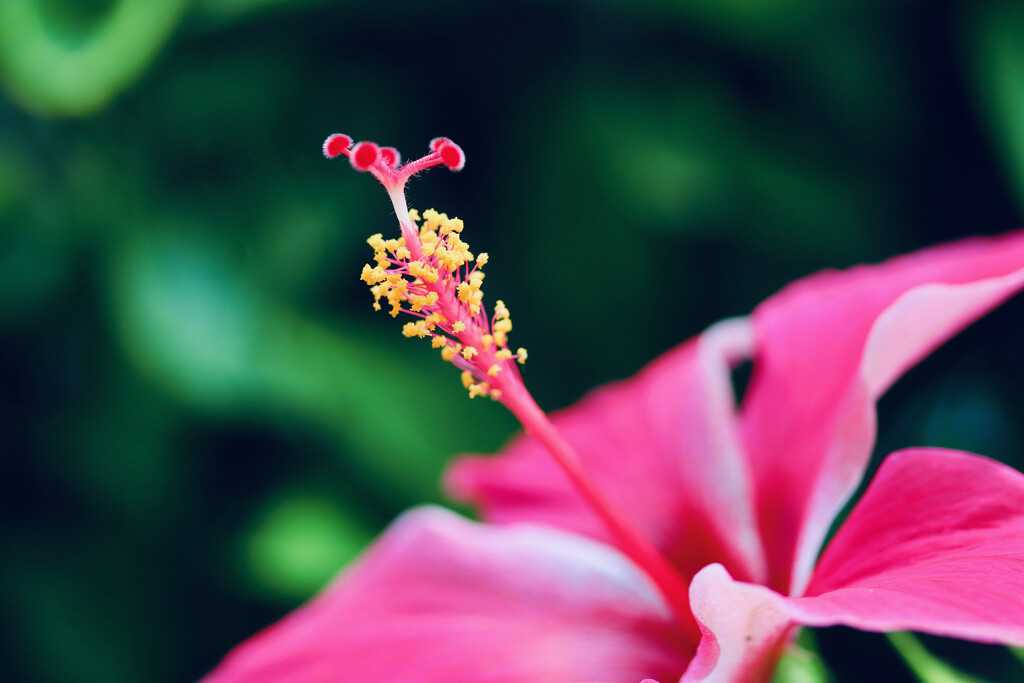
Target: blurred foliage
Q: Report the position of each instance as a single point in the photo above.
(925, 666)
(800, 662)
(70, 58)
(202, 418)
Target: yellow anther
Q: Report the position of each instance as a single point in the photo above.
(501, 339)
(455, 243)
(418, 301)
(467, 379)
(452, 260)
(432, 220)
(503, 355)
(464, 291)
(416, 329)
(403, 254)
(474, 302)
(521, 352)
(414, 215)
(494, 370)
(450, 225)
(469, 352)
(458, 326)
(372, 276)
(482, 259)
(437, 341)
(487, 340)
(480, 389)
(495, 394)
(376, 242)
(447, 353)
(394, 298)
(427, 273)
(503, 325)
(500, 312)
(446, 259)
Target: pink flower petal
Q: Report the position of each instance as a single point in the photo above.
(744, 626)
(663, 446)
(441, 599)
(827, 347)
(936, 544)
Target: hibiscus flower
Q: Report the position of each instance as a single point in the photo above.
(656, 529)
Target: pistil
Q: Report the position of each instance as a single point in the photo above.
(428, 274)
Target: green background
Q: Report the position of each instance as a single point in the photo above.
(202, 419)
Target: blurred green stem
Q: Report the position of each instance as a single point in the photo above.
(924, 665)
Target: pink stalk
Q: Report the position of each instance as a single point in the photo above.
(632, 543)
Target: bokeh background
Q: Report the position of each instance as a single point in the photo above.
(202, 419)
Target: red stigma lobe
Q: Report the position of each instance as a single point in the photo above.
(336, 144)
(452, 155)
(364, 155)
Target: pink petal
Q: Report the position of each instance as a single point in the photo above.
(935, 545)
(441, 599)
(828, 346)
(744, 626)
(662, 446)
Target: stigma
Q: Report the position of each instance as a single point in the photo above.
(430, 273)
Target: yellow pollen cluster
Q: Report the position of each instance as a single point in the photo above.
(502, 323)
(441, 280)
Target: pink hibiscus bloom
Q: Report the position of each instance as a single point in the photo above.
(658, 530)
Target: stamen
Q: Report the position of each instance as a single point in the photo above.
(431, 274)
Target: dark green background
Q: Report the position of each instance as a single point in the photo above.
(202, 419)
